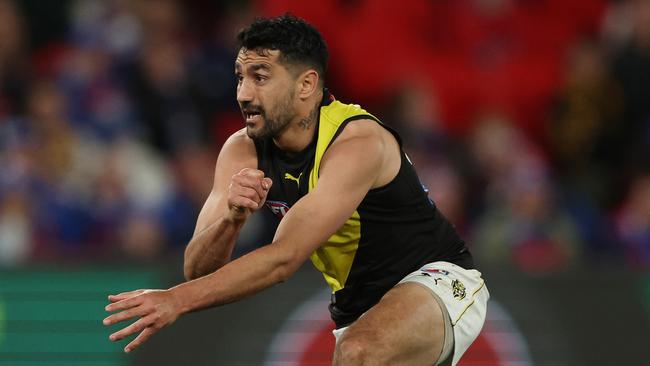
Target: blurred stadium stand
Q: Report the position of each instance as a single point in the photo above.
(529, 121)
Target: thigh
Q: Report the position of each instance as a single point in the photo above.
(464, 296)
(405, 328)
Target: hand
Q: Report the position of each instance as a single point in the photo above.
(247, 192)
(156, 309)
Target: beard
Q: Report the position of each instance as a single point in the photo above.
(275, 121)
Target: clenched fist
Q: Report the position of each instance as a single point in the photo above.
(247, 192)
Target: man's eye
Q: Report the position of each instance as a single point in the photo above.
(239, 78)
(260, 78)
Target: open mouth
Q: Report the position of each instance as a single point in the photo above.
(251, 116)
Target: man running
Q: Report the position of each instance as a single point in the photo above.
(404, 287)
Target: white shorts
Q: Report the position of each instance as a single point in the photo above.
(464, 296)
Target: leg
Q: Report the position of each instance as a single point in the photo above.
(405, 328)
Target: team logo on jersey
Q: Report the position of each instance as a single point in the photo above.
(458, 290)
(279, 208)
(291, 177)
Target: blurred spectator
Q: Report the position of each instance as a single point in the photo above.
(523, 223)
(112, 111)
(64, 161)
(16, 209)
(141, 238)
(85, 191)
(167, 103)
(212, 68)
(133, 187)
(46, 22)
(97, 104)
(631, 68)
(13, 60)
(194, 173)
(104, 36)
(109, 24)
(15, 228)
(160, 19)
(447, 189)
(587, 130)
(585, 138)
(438, 157)
(495, 144)
(633, 222)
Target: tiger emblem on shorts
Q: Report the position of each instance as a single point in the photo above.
(458, 290)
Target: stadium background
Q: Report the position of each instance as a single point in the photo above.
(529, 121)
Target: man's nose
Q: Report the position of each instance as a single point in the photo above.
(244, 92)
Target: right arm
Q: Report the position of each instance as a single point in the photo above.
(238, 190)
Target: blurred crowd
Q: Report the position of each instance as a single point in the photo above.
(528, 120)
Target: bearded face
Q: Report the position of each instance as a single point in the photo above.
(269, 119)
(265, 92)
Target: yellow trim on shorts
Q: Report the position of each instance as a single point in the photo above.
(470, 304)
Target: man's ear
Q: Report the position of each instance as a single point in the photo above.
(307, 83)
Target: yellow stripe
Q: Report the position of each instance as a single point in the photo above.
(470, 304)
(334, 258)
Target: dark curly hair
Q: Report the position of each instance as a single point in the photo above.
(299, 42)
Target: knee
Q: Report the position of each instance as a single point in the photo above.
(353, 352)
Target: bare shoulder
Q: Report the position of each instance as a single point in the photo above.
(240, 147)
(364, 133)
(364, 128)
(240, 140)
(369, 135)
(373, 144)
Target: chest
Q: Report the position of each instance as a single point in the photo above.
(290, 177)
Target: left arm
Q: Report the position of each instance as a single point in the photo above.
(349, 169)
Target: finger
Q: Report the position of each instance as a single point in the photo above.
(124, 315)
(266, 184)
(124, 295)
(125, 304)
(141, 338)
(248, 182)
(243, 202)
(253, 173)
(249, 193)
(137, 326)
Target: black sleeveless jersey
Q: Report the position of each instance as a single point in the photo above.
(394, 231)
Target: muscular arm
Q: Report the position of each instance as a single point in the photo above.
(219, 224)
(350, 168)
(357, 161)
(211, 248)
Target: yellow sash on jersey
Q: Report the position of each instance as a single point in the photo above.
(334, 258)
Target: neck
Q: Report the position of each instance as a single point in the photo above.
(300, 131)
